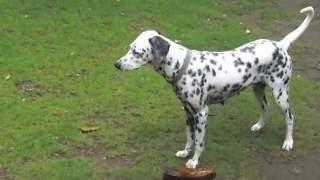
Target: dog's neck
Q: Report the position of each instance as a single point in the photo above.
(169, 66)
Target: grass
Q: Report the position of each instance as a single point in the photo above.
(60, 56)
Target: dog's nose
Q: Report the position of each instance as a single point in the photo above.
(117, 65)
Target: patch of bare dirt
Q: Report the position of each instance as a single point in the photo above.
(4, 175)
(296, 166)
(98, 154)
(59, 90)
(30, 90)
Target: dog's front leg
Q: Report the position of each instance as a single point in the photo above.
(189, 134)
(200, 118)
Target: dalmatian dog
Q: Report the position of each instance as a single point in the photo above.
(201, 78)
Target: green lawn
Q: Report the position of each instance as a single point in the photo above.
(57, 75)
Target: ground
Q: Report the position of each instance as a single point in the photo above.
(57, 76)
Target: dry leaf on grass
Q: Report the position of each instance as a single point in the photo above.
(88, 129)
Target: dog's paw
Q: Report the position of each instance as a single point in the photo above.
(192, 164)
(182, 154)
(256, 127)
(287, 144)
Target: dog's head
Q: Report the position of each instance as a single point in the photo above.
(148, 47)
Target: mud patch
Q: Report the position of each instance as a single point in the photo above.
(293, 166)
(4, 175)
(29, 88)
(99, 153)
(59, 90)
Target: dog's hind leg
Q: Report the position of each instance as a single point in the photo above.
(189, 134)
(259, 91)
(281, 96)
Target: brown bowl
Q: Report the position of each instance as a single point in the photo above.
(183, 173)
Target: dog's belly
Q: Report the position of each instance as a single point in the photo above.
(221, 94)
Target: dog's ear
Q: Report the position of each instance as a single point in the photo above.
(160, 47)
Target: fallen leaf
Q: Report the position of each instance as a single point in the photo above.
(88, 129)
(7, 77)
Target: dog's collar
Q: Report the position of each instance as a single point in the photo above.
(183, 68)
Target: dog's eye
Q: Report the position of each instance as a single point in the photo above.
(136, 53)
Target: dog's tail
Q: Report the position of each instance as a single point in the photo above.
(290, 38)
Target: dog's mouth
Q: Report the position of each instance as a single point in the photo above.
(123, 67)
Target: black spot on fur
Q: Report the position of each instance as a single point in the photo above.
(280, 94)
(197, 91)
(226, 87)
(213, 72)
(203, 80)
(249, 49)
(246, 77)
(210, 87)
(280, 74)
(202, 57)
(215, 54)
(275, 54)
(238, 62)
(286, 81)
(199, 130)
(249, 65)
(271, 78)
(213, 62)
(256, 61)
(261, 69)
(196, 119)
(290, 114)
(201, 96)
(235, 88)
(177, 65)
(207, 67)
(275, 70)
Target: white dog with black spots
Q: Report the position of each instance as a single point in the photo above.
(200, 78)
